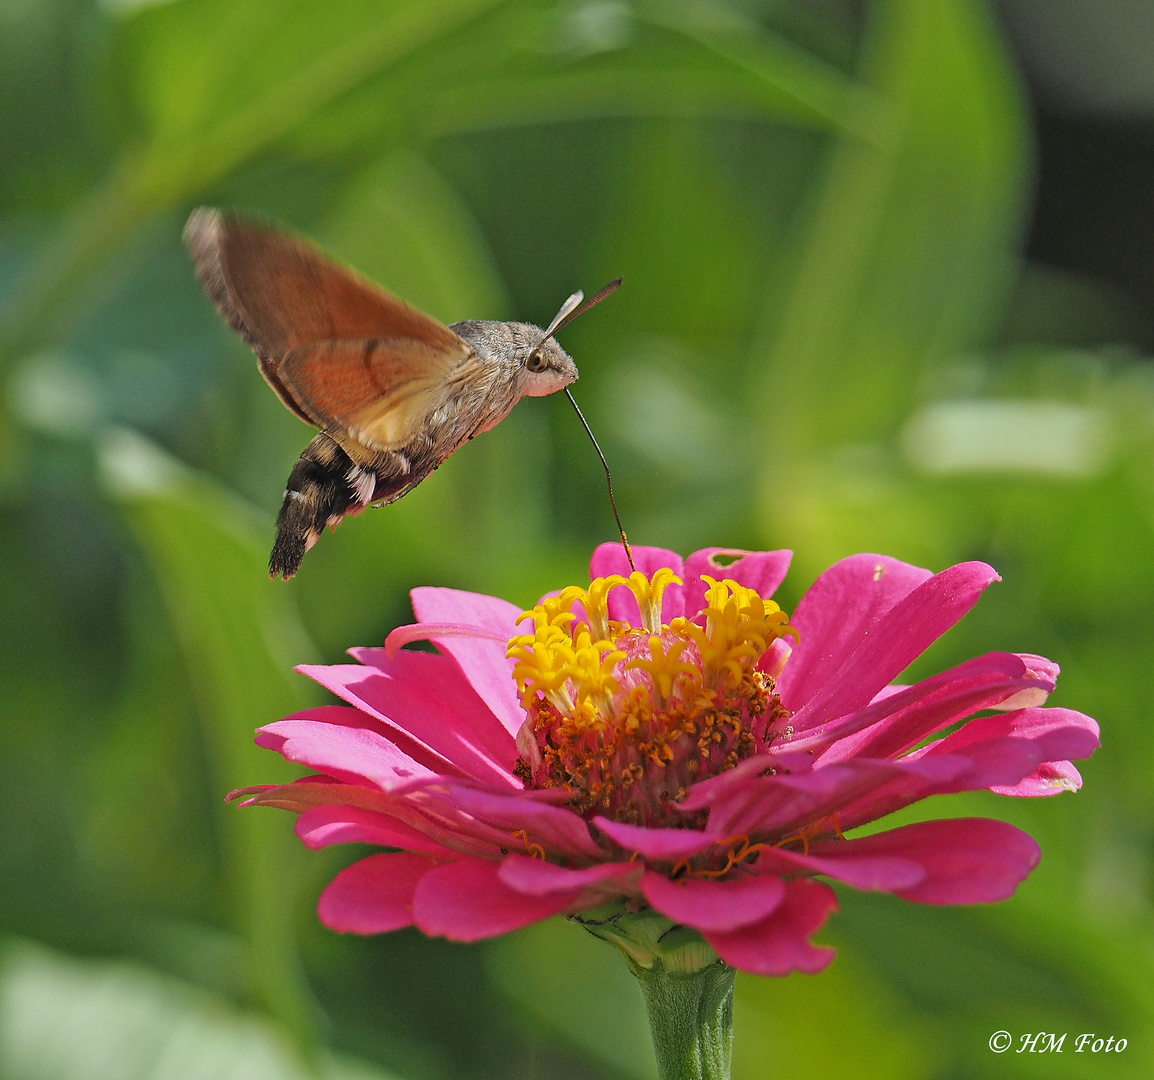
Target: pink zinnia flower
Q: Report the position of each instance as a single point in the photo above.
(670, 740)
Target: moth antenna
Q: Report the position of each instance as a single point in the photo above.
(566, 310)
(570, 309)
(593, 439)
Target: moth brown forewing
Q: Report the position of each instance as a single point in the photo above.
(393, 391)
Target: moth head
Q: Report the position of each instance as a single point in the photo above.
(548, 368)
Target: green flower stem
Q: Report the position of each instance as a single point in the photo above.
(691, 1018)
(688, 990)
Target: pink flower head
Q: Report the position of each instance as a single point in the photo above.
(670, 740)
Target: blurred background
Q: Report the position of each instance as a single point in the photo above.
(889, 286)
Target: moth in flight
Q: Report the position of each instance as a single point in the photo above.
(393, 391)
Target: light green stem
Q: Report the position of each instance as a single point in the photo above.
(688, 990)
(691, 1018)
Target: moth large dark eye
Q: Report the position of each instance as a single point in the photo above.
(536, 362)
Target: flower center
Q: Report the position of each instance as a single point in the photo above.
(626, 718)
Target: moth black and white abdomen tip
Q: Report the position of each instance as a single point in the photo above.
(362, 483)
(323, 487)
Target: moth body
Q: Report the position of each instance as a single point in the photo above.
(338, 476)
(393, 391)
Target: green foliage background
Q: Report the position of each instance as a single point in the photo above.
(828, 340)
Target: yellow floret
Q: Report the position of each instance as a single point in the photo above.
(649, 592)
(739, 627)
(665, 668)
(575, 664)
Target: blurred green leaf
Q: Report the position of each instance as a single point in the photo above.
(213, 83)
(66, 1019)
(818, 92)
(782, 1027)
(908, 256)
(217, 82)
(222, 78)
(561, 976)
(240, 637)
(531, 62)
(401, 223)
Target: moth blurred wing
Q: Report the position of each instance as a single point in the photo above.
(379, 391)
(280, 293)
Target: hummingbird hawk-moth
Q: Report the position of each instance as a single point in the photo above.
(393, 391)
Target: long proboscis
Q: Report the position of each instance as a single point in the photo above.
(569, 311)
(608, 476)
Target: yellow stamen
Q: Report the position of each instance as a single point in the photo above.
(739, 850)
(626, 718)
(534, 849)
(596, 602)
(664, 668)
(814, 829)
(739, 627)
(649, 592)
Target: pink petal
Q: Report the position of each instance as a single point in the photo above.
(1041, 668)
(839, 610)
(375, 895)
(779, 943)
(400, 636)
(863, 789)
(484, 662)
(762, 571)
(999, 759)
(1037, 667)
(876, 873)
(773, 806)
(1060, 734)
(900, 720)
(431, 697)
(907, 630)
(889, 691)
(344, 744)
(324, 825)
(467, 901)
(557, 828)
(434, 811)
(315, 790)
(427, 808)
(704, 794)
(774, 659)
(425, 704)
(993, 762)
(610, 559)
(659, 844)
(967, 860)
(714, 905)
(1049, 778)
(534, 877)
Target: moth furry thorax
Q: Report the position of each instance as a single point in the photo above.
(393, 391)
